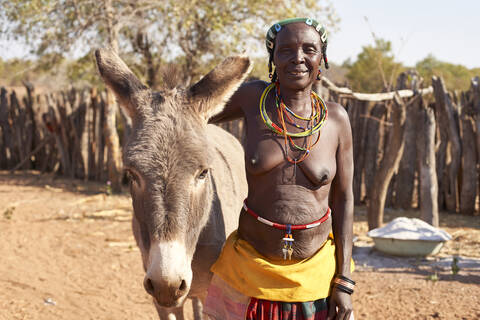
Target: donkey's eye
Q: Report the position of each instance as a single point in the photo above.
(203, 174)
(132, 177)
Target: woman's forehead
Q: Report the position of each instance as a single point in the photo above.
(298, 32)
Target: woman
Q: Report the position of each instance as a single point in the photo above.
(282, 263)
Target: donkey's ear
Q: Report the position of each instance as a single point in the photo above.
(210, 94)
(117, 76)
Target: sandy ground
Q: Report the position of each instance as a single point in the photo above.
(67, 252)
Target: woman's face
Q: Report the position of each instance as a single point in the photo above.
(297, 55)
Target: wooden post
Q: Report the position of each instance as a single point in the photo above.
(112, 142)
(99, 133)
(92, 140)
(425, 142)
(358, 119)
(7, 160)
(388, 166)
(468, 187)
(405, 178)
(17, 115)
(449, 123)
(475, 102)
(374, 142)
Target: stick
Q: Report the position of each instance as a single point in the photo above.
(33, 152)
(375, 97)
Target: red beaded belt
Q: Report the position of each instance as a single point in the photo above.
(288, 239)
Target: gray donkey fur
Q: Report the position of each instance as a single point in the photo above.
(187, 177)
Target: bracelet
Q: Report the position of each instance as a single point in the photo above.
(343, 283)
(343, 288)
(339, 276)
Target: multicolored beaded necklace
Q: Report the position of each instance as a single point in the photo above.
(314, 124)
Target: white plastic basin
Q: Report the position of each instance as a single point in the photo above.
(400, 247)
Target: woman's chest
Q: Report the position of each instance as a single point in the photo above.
(266, 151)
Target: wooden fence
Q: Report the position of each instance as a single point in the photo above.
(63, 132)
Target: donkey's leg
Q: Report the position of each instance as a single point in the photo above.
(170, 313)
(197, 306)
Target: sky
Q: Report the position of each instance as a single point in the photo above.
(450, 30)
(447, 29)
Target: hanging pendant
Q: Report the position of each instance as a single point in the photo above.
(287, 249)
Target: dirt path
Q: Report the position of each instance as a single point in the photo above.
(67, 252)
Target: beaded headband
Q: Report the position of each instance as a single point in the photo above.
(275, 29)
(272, 32)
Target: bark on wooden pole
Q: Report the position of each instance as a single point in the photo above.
(29, 123)
(405, 178)
(374, 142)
(388, 165)
(425, 143)
(359, 128)
(468, 187)
(7, 150)
(449, 122)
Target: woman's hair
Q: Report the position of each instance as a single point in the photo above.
(275, 29)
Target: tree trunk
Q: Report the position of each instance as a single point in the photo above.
(427, 174)
(388, 166)
(454, 148)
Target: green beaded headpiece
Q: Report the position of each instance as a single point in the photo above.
(275, 29)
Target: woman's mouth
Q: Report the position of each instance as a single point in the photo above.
(299, 72)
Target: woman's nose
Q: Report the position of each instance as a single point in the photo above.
(299, 57)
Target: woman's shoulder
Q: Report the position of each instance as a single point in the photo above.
(254, 86)
(337, 111)
(249, 94)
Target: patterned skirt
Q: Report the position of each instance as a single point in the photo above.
(275, 310)
(225, 303)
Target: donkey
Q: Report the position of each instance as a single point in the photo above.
(187, 177)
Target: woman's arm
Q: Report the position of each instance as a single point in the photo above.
(245, 95)
(341, 202)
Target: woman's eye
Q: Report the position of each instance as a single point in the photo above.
(203, 174)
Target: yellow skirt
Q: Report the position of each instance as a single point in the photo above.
(247, 271)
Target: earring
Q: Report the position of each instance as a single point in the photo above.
(319, 74)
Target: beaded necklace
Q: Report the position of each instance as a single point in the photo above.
(276, 129)
(288, 238)
(315, 122)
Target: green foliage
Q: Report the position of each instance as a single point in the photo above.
(454, 266)
(456, 76)
(8, 213)
(433, 277)
(197, 34)
(13, 71)
(375, 69)
(84, 70)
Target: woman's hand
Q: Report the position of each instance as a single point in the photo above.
(340, 306)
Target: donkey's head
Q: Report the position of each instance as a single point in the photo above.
(169, 159)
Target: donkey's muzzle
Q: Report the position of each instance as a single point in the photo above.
(167, 293)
